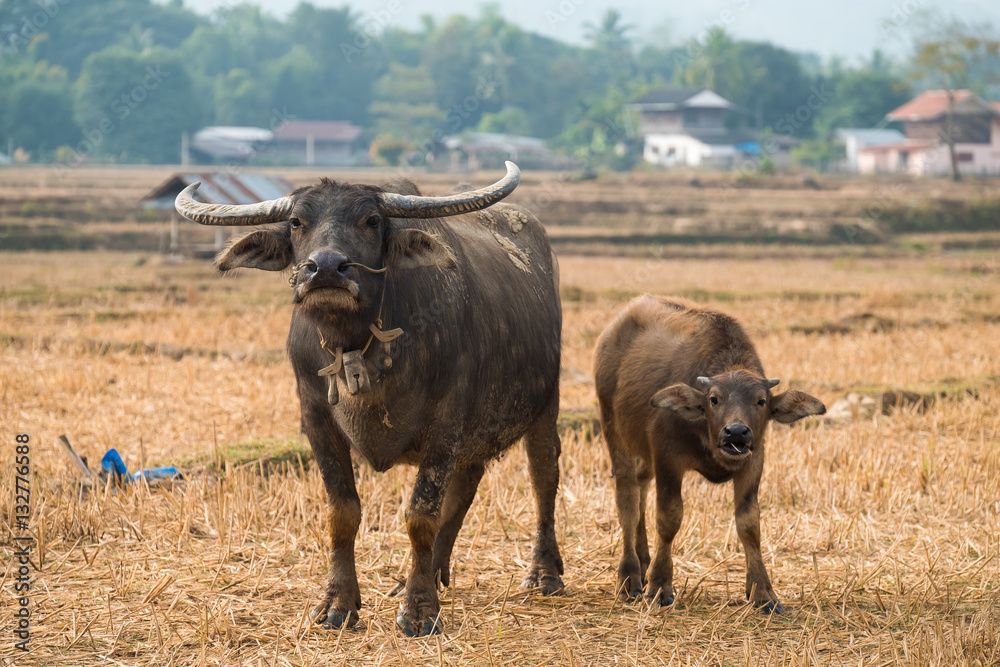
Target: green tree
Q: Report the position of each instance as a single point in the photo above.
(134, 107)
(295, 87)
(404, 104)
(775, 88)
(766, 81)
(715, 65)
(861, 98)
(598, 133)
(348, 58)
(241, 99)
(39, 116)
(611, 47)
(509, 120)
(78, 29)
(36, 108)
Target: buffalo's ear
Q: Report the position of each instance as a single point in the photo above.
(685, 400)
(793, 405)
(413, 248)
(266, 249)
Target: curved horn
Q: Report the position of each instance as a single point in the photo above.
(702, 380)
(773, 382)
(273, 210)
(412, 206)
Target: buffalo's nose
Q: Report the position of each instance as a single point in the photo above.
(324, 263)
(737, 433)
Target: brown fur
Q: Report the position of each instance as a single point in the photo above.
(660, 422)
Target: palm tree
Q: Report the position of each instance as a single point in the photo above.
(609, 34)
(610, 42)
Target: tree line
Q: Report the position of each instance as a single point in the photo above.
(120, 80)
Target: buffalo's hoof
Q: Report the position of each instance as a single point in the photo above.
(411, 628)
(629, 587)
(548, 583)
(334, 619)
(772, 607)
(662, 600)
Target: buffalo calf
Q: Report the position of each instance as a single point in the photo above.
(681, 388)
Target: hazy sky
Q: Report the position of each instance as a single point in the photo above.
(850, 28)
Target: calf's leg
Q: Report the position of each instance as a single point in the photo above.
(745, 487)
(627, 496)
(669, 514)
(643, 475)
(543, 447)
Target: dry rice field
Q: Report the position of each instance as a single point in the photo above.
(881, 529)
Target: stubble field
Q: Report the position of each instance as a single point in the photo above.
(880, 527)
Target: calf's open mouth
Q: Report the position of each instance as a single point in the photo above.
(736, 448)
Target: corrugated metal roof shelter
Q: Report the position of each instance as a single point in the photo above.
(217, 188)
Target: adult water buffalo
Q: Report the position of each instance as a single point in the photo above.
(425, 331)
(681, 388)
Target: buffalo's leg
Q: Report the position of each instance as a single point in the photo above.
(543, 447)
(745, 487)
(331, 447)
(669, 513)
(458, 499)
(419, 610)
(627, 494)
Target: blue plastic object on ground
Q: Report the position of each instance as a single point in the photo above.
(113, 465)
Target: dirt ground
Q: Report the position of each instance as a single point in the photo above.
(880, 524)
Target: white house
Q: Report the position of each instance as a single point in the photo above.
(695, 148)
(686, 126)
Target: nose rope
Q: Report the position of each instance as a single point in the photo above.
(367, 268)
(292, 279)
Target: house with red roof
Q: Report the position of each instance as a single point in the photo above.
(974, 123)
(328, 143)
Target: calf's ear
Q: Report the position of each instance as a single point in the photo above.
(265, 249)
(685, 400)
(793, 405)
(413, 248)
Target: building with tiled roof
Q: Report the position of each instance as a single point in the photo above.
(330, 143)
(928, 120)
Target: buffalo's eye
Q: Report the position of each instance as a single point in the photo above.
(295, 223)
(714, 400)
(762, 402)
(373, 221)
